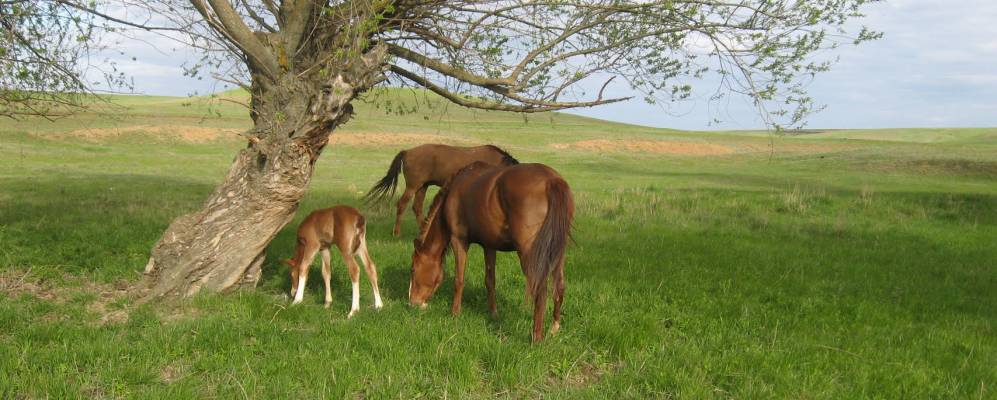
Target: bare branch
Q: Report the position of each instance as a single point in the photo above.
(446, 69)
(256, 17)
(142, 26)
(235, 28)
(533, 107)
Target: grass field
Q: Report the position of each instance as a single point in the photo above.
(839, 264)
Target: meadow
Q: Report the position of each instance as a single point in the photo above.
(830, 264)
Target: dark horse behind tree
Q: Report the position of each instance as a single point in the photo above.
(430, 164)
(527, 208)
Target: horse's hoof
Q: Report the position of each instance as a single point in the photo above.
(556, 326)
(351, 314)
(327, 305)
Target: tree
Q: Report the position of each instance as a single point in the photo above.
(304, 61)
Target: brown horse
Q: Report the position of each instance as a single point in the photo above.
(427, 165)
(527, 208)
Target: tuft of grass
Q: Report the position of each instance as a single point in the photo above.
(800, 200)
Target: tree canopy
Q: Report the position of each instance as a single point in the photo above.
(525, 56)
(49, 61)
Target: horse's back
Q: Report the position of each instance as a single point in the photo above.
(328, 224)
(503, 204)
(435, 163)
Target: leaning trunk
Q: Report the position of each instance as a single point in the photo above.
(221, 247)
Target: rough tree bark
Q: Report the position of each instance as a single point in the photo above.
(221, 247)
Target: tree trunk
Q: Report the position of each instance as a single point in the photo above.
(222, 246)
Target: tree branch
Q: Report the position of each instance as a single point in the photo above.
(532, 107)
(446, 69)
(257, 54)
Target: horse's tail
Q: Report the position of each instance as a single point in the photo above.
(385, 188)
(552, 239)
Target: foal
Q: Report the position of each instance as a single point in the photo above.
(344, 227)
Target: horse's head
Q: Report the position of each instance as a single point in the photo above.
(294, 273)
(427, 274)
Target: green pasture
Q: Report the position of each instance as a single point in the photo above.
(826, 264)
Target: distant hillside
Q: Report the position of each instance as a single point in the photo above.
(417, 113)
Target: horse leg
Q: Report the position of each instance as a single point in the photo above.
(420, 197)
(460, 260)
(490, 280)
(558, 277)
(371, 270)
(294, 281)
(298, 286)
(327, 276)
(402, 202)
(354, 270)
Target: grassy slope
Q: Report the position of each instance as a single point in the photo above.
(844, 264)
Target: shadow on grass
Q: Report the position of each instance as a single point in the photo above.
(102, 226)
(97, 225)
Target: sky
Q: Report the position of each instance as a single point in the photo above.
(935, 67)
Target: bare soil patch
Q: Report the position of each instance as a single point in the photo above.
(200, 134)
(378, 139)
(648, 146)
(183, 133)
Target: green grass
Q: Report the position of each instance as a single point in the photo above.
(842, 264)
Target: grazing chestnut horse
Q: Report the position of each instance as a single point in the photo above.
(344, 227)
(527, 208)
(427, 165)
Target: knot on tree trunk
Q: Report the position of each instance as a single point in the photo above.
(342, 80)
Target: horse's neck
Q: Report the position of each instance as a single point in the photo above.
(436, 240)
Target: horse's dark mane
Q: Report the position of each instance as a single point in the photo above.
(433, 217)
(434, 207)
(507, 158)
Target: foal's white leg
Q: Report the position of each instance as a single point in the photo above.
(354, 270)
(327, 276)
(300, 293)
(371, 270)
(306, 261)
(356, 298)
